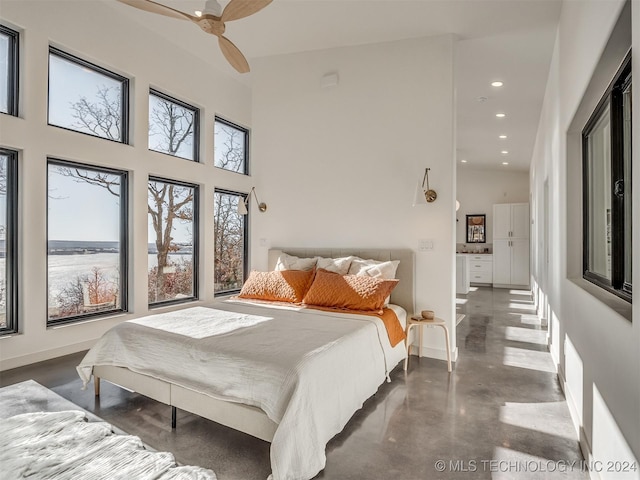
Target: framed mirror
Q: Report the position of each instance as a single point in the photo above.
(476, 229)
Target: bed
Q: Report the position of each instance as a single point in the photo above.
(286, 374)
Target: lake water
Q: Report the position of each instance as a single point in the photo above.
(63, 269)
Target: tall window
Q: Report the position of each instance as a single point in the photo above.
(87, 257)
(231, 146)
(606, 143)
(173, 223)
(173, 126)
(87, 98)
(231, 242)
(8, 241)
(8, 71)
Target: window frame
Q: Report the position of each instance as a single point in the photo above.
(245, 248)
(13, 80)
(195, 241)
(612, 98)
(11, 244)
(124, 242)
(196, 124)
(124, 99)
(246, 131)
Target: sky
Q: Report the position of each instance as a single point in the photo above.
(4, 71)
(157, 140)
(68, 82)
(80, 211)
(3, 198)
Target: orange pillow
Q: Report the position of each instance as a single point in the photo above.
(277, 286)
(351, 292)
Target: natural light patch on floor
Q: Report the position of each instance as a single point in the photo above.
(529, 359)
(461, 301)
(520, 292)
(508, 464)
(528, 318)
(522, 306)
(545, 417)
(521, 301)
(527, 335)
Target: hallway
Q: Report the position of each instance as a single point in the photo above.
(504, 364)
(500, 415)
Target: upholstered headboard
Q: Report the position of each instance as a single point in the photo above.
(403, 294)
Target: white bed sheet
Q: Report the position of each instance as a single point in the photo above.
(308, 370)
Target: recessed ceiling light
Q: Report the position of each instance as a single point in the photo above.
(505, 163)
(501, 115)
(198, 13)
(463, 161)
(502, 136)
(496, 84)
(504, 152)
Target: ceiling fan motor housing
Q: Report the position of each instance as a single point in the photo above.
(211, 25)
(212, 7)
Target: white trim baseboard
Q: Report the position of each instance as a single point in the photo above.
(23, 360)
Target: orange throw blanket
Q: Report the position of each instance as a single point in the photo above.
(389, 318)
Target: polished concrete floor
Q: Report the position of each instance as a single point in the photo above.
(499, 415)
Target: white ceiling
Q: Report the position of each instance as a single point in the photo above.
(507, 40)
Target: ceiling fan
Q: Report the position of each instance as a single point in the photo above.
(212, 20)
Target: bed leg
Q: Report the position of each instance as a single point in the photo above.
(173, 418)
(96, 385)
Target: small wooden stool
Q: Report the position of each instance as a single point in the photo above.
(417, 320)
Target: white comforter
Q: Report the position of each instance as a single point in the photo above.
(308, 370)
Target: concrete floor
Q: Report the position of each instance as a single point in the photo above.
(500, 414)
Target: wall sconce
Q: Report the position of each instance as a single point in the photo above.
(242, 206)
(422, 194)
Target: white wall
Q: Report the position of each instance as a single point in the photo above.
(479, 189)
(339, 166)
(596, 348)
(117, 43)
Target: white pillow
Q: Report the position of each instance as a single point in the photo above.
(374, 268)
(290, 262)
(336, 265)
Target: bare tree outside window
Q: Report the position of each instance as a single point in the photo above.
(170, 205)
(3, 239)
(172, 126)
(86, 98)
(85, 252)
(8, 241)
(230, 242)
(9, 61)
(230, 146)
(171, 235)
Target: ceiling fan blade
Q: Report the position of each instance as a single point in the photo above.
(236, 9)
(233, 55)
(153, 7)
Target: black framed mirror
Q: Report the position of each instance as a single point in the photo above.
(476, 228)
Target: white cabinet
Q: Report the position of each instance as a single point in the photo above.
(462, 274)
(481, 268)
(511, 244)
(511, 262)
(511, 220)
